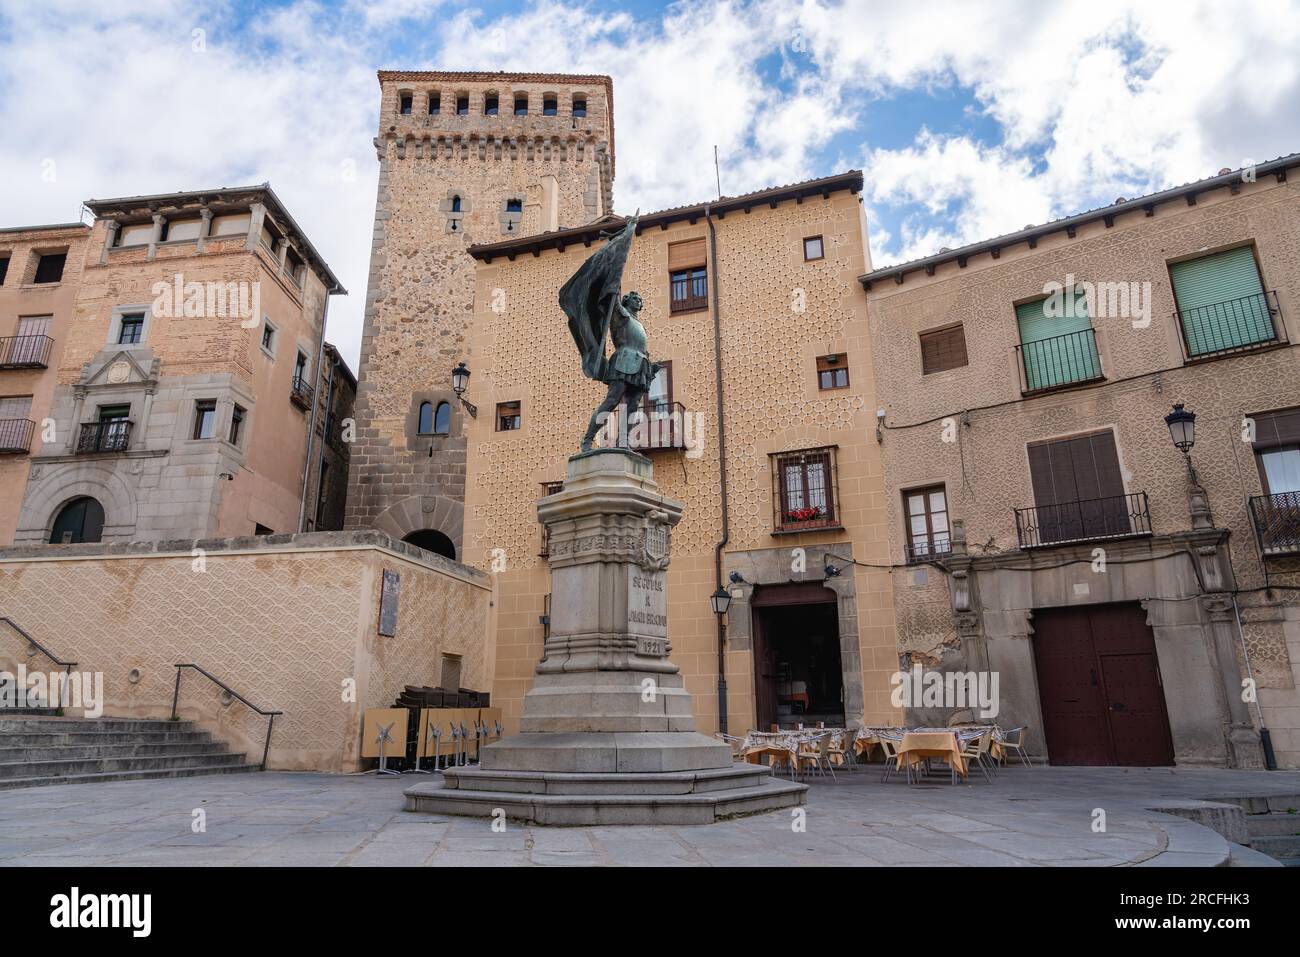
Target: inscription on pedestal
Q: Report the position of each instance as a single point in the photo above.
(647, 611)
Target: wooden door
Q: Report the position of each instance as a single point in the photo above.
(1099, 687)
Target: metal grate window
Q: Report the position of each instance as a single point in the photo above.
(804, 490)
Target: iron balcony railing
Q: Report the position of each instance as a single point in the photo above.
(1230, 326)
(1060, 360)
(1277, 523)
(16, 436)
(110, 436)
(301, 392)
(25, 352)
(1116, 516)
(660, 427)
(929, 551)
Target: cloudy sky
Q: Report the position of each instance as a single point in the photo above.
(968, 119)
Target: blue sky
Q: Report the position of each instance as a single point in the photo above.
(969, 120)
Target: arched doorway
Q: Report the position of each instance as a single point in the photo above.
(81, 520)
(432, 540)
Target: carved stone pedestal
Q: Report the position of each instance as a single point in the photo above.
(607, 734)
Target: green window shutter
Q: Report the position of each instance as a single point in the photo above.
(1221, 302)
(1057, 350)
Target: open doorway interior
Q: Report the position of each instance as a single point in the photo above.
(799, 675)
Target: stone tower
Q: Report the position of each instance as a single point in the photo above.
(464, 158)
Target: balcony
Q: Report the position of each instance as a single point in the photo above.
(301, 393)
(25, 352)
(1087, 520)
(1059, 361)
(661, 427)
(1277, 523)
(1234, 325)
(113, 435)
(920, 552)
(16, 436)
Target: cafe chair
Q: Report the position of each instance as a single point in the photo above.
(977, 751)
(890, 749)
(818, 760)
(1013, 742)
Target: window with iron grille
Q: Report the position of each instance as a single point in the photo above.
(943, 349)
(804, 492)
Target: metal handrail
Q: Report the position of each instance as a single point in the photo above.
(67, 666)
(266, 748)
(1073, 355)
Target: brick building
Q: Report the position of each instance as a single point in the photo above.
(774, 458)
(1055, 534)
(463, 158)
(188, 374)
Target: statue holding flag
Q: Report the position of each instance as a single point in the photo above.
(592, 301)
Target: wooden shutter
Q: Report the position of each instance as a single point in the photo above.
(943, 349)
(1277, 428)
(1078, 488)
(1221, 302)
(687, 255)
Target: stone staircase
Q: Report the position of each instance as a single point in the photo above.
(1276, 832)
(37, 750)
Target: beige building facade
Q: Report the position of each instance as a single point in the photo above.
(464, 158)
(751, 304)
(40, 273)
(1134, 612)
(189, 375)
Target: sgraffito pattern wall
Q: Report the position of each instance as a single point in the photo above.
(285, 628)
(968, 428)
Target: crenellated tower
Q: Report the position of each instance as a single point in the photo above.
(464, 158)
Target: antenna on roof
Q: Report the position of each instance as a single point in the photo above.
(716, 171)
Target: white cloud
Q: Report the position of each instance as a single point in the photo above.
(1092, 98)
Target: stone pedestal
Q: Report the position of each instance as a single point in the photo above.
(607, 734)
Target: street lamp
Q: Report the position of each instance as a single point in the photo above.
(459, 383)
(721, 601)
(1182, 429)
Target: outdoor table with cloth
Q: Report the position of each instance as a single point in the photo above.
(919, 745)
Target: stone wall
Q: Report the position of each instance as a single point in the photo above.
(420, 295)
(287, 621)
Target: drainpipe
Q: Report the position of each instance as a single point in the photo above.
(1265, 739)
(722, 474)
(311, 427)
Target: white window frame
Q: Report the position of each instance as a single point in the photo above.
(115, 327)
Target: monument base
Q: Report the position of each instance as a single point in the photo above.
(565, 799)
(607, 734)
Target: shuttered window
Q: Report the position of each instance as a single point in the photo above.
(685, 255)
(1221, 302)
(1277, 450)
(1078, 489)
(1057, 343)
(943, 349)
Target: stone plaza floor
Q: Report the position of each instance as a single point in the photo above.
(1026, 817)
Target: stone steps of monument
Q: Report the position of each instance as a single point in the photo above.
(35, 711)
(41, 751)
(1276, 834)
(607, 809)
(552, 783)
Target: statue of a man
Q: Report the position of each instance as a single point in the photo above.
(591, 301)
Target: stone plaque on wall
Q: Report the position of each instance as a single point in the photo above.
(647, 610)
(388, 597)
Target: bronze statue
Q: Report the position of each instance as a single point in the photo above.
(595, 309)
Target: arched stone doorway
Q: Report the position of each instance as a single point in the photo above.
(81, 520)
(432, 540)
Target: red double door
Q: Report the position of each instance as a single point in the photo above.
(1099, 687)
